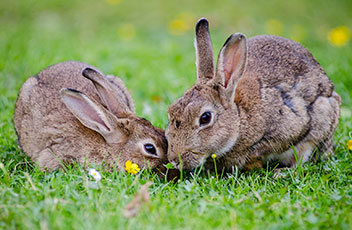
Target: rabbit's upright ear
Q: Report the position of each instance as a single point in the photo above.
(204, 52)
(94, 116)
(231, 64)
(115, 96)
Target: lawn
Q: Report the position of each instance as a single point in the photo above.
(149, 44)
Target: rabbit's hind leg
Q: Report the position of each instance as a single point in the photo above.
(300, 153)
(47, 160)
(297, 155)
(325, 113)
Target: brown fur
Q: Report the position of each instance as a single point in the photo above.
(49, 132)
(282, 98)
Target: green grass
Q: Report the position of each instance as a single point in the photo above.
(158, 67)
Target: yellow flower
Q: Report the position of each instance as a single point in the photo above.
(339, 36)
(113, 2)
(273, 27)
(126, 32)
(177, 27)
(349, 145)
(181, 23)
(213, 156)
(132, 167)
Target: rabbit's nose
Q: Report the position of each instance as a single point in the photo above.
(175, 164)
(174, 161)
(173, 157)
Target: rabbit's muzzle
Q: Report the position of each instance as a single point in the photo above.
(185, 160)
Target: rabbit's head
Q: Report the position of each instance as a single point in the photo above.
(205, 120)
(126, 136)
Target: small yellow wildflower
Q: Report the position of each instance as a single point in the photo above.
(213, 156)
(339, 36)
(132, 167)
(349, 145)
(273, 27)
(113, 2)
(177, 27)
(181, 23)
(126, 32)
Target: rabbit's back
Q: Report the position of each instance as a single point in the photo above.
(43, 122)
(280, 93)
(284, 65)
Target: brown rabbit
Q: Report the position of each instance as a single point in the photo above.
(57, 124)
(266, 95)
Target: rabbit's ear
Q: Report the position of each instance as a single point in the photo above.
(232, 62)
(93, 116)
(204, 52)
(115, 97)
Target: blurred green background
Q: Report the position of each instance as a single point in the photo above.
(149, 44)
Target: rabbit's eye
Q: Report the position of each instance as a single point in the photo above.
(205, 118)
(149, 148)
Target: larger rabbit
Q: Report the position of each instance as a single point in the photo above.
(93, 122)
(267, 97)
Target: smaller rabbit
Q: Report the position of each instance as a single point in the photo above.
(266, 96)
(71, 112)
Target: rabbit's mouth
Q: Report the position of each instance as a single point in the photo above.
(188, 160)
(169, 174)
(175, 164)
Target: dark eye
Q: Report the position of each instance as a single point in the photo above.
(205, 118)
(150, 148)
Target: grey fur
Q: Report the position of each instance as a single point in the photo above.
(282, 98)
(52, 133)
